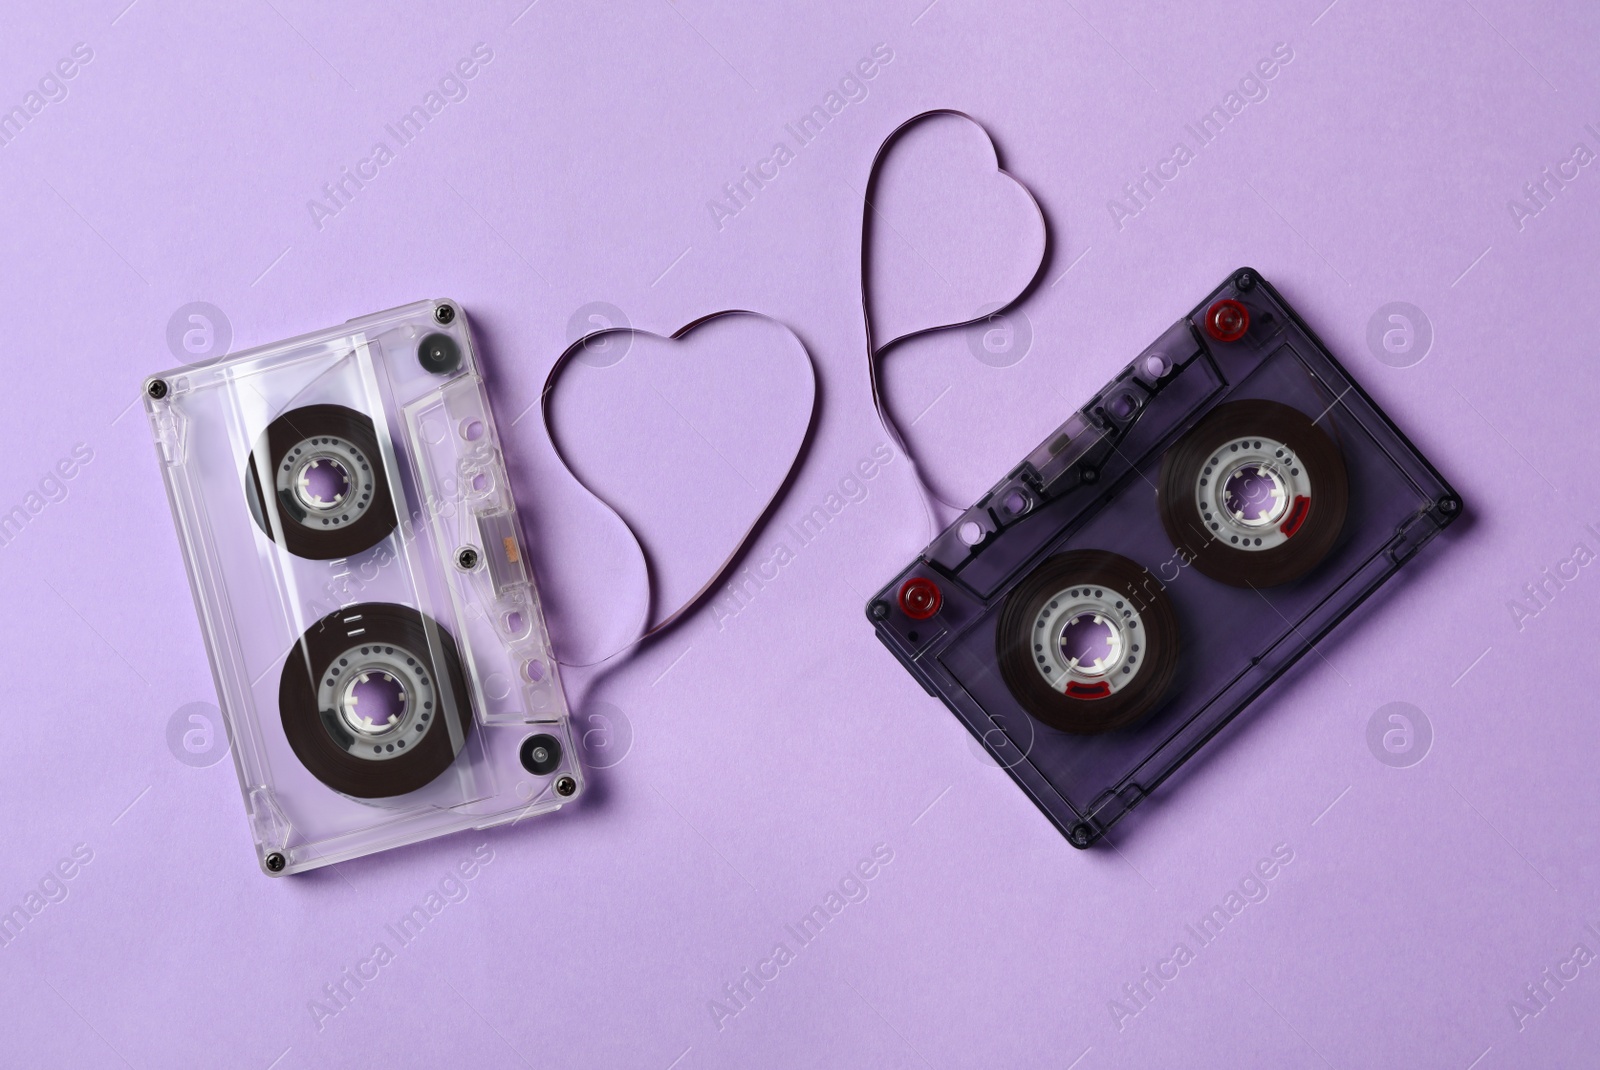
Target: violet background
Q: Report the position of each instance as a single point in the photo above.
(752, 761)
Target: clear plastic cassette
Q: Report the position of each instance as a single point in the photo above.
(377, 640)
(1163, 557)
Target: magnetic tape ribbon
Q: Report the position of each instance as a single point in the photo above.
(875, 352)
(646, 630)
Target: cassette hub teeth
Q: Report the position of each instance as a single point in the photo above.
(1087, 639)
(363, 721)
(322, 483)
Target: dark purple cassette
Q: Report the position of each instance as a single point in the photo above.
(1160, 560)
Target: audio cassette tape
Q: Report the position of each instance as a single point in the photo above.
(1160, 560)
(357, 563)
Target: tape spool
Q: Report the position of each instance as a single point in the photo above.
(330, 497)
(1088, 642)
(333, 691)
(1255, 495)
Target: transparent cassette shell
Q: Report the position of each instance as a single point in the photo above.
(1094, 486)
(453, 554)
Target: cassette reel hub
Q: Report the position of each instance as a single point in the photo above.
(330, 498)
(1253, 494)
(1087, 642)
(354, 655)
(356, 687)
(330, 479)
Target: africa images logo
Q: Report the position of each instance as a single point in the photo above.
(1251, 89)
(1140, 993)
(451, 89)
(852, 89)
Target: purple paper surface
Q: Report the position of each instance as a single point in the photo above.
(768, 754)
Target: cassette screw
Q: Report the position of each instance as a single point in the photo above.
(467, 559)
(276, 862)
(566, 786)
(1245, 281)
(1080, 835)
(1090, 474)
(879, 610)
(444, 314)
(157, 389)
(1448, 506)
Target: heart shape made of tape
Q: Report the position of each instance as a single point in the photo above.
(689, 440)
(949, 239)
(948, 235)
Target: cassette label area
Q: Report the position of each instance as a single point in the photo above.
(356, 557)
(1161, 559)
